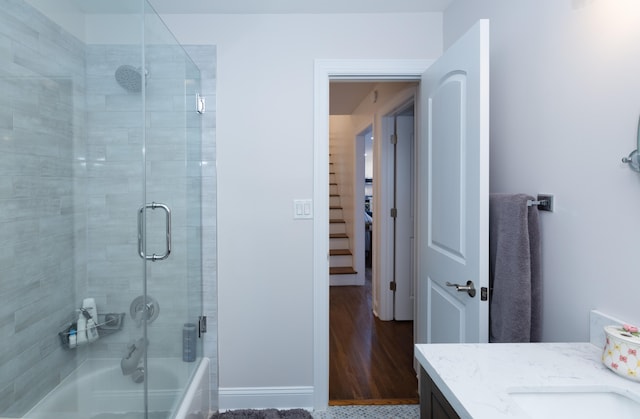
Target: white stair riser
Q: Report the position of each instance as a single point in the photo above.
(335, 228)
(335, 214)
(336, 261)
(339, 243)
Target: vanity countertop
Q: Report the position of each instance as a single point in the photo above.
(476, 378)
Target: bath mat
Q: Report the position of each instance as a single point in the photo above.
(264, 414)
(132, 415)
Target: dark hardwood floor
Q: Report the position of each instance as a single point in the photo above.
(370, 361)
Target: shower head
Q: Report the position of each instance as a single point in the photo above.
(130, 78)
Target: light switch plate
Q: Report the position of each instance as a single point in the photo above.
(581, 4)
(302, 209)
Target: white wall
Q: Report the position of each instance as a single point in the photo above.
(265, 160)
(565, 99)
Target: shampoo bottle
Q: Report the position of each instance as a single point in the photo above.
(81, 330)
(91, 314)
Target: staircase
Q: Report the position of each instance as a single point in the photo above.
(341, 270)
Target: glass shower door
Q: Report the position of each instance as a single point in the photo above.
(170, 216)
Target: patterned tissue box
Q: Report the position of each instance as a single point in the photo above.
(622, 351)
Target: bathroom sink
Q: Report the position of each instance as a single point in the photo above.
(576, 403)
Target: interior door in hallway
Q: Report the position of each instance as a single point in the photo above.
(403, 202)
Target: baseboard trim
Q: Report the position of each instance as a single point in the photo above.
(231, 398)
(377, 402)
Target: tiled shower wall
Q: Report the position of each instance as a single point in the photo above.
(41, 223)
(115, 192)
(115, 189)
(70, 189)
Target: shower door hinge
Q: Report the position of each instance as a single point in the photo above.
(394, 212)
(201, 104)
(202, 325)
(394, 139)
(393, 285)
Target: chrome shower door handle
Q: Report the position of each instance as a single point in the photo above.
(167, 211)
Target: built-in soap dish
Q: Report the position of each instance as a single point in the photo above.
(110, 322)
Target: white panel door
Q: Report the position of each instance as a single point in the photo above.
(454, 192)
(404, 229)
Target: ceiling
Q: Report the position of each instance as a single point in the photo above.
(345, 97)
(267, 6)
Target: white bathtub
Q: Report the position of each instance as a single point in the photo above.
(97, 389)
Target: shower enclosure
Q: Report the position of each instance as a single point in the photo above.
(101, 268)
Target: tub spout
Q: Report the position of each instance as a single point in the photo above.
(130, 362)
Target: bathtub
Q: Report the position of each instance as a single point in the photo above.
(98, 390)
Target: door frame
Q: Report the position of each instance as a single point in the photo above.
(324, 71)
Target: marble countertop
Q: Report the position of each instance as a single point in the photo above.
(477, 378)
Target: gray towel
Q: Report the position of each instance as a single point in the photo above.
(514, 269)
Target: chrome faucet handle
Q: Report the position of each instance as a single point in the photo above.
(144, 309)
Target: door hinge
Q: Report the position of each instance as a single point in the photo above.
(394, 139)
(394, 212)
(202, 325)
(484, 294)
(393, 285)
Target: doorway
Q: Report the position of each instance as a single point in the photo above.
(324, 71)
(461, 73)
(372, 134)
